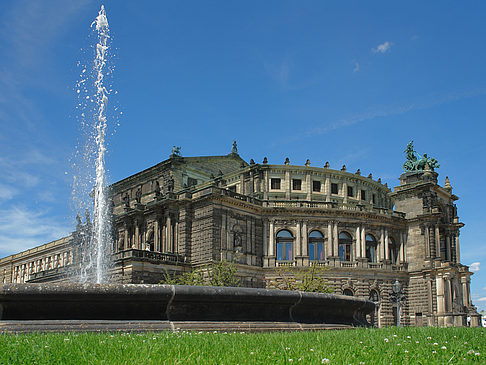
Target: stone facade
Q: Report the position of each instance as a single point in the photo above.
(188, 212)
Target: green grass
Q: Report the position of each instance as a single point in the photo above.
(359, 346)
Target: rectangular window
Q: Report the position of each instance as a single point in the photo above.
(350, 191)
(363, 194)
(296, 184)
(275, 184)
(374, 198)
(334, 188)
(191, 181)
(232, 188)
(316, 186)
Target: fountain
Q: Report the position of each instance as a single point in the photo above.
(101, 306)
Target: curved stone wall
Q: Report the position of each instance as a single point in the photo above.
(29, 302)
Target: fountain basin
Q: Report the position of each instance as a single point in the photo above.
(173, 306)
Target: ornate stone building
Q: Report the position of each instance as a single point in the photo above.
(189, 211)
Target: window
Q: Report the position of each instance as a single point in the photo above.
(334, 188)
(316, 186)
(348, 292)
(191, 181)
(374, 198)
(392, 246)
(363, 194)
(232, 188)
(316, 246)
(371, 248)
(285, 242)
(345, 242)
(350, 191)
(275, 184)
(296, 184)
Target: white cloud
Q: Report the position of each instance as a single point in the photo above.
(356, 67)
(483, 299)
(22, 228)
(382, 48)
(7, 192)
(474, 266)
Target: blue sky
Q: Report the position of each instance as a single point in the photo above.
(347, 82)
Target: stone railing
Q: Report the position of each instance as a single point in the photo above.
(150, 255)
(286, 263)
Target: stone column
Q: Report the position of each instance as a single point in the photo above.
(363, 242)
(298, 241)
(357, 245)
(382, 244)
(288, 188)
(271, 245)
(242, 184)
(440, 295)
(387, 249)
(335, 237)
(308, 185)
(345, 192)
(329, 246)
(137, 235)
(465, 292)
(400, 248)
(176, 237)
(156, 235)
(265, 183)
(305, 235)
(458, 251)
(448, 248)
(437, 242)
(265, 238)
(125, 238)
(327, 188)
(432, 244)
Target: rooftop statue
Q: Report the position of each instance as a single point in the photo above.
(234, 148)
(416, 163)
(176, 152)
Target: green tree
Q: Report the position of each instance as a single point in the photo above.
(220, 273)
(310, 279)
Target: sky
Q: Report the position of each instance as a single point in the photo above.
(349, 82)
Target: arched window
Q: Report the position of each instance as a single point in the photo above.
(285, 242)
(393, 248)
(370, 248)
(348, 292)
(316, 246)
(345, 242)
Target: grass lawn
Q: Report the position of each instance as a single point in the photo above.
(359, 346)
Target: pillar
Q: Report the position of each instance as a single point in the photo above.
(363, 242)
(357, 246)
(382, 244)
(335, 239)
(387, 249)
(271, 245)
(305, 236)
(265, 237)
(329, 246)
(448, 248)
(298, 240)
(308, 185)
(458, 253)
(137, 235)
(437, 242)
(156, 236)
(327, 188)
(440, 295)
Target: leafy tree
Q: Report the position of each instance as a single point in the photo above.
(221, 273)
(303, 279)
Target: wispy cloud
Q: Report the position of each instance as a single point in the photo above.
(392, 110)
(382, 48)
(483, 299)
(280, 72)
(22, 228)
(475, 266)
(356, 67)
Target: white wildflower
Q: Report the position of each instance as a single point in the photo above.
(444, 348)
(325, 361)
(385, 339)
(436, 344)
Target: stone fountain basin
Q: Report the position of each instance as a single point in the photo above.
(146, 302)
